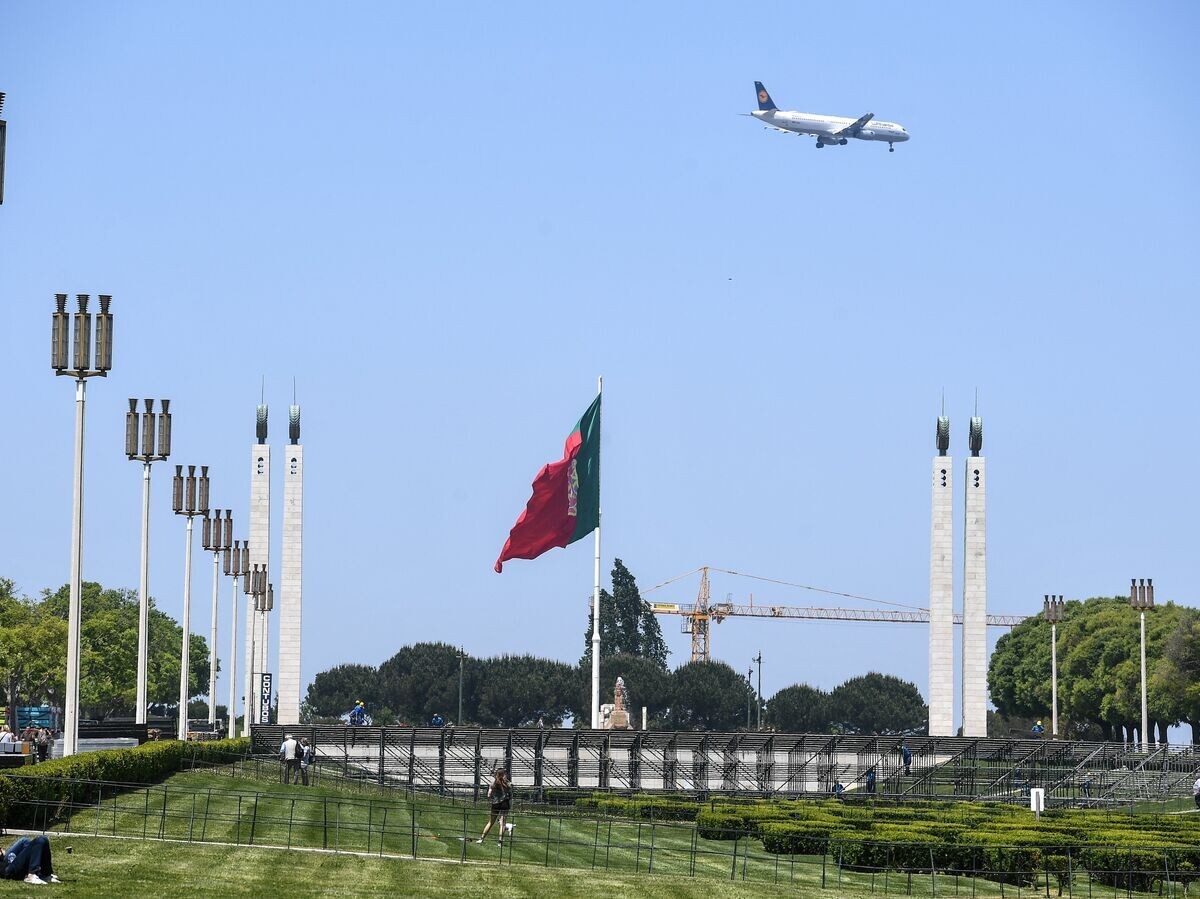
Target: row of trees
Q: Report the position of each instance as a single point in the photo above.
(1099, 670)
(33, 652)
(514, 691)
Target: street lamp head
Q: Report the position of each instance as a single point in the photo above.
(60, 334)
(164, 430)
(227, 531)
(227, 561)
(206, 530)
(177, 491)
(104, 336)
(191, 491)
(131, 429)
(245, 569)
(204, 489)
(82, 334)
(270, 597)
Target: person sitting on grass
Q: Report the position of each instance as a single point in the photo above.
(500, 795)
(29, 860)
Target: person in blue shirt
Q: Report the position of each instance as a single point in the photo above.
(839, 790)
(906, 757)
(28, 860)
(358, 714)
(871, 781)
(1038, 729)
(437, 720)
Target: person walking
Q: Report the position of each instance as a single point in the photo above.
(906, 757)
(307, 756)
(29, 860)
(1196, 792)
(871, 781)
(43, 745)
(500, 796)
(290, 754)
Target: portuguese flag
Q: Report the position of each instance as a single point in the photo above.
(565, 505)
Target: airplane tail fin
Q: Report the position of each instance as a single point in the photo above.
(764, 99)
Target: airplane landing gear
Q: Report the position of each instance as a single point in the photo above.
(820, 145)
(843, 141)
(891, 149)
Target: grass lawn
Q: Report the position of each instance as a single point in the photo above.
(265, 823)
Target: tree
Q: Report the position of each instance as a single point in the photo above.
(799, 709)
(627, 624)
(707, 696)
(1099, 669)
(517, 691)
(33, 651)
(878, 704)
(1176, 676)
(422, 679)
(645, 680)
(334, 691)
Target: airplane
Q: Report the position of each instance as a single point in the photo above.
(828, 129)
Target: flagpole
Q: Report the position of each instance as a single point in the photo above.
(596, 612)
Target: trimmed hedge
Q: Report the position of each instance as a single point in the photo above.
(78, 779)
(720, 825)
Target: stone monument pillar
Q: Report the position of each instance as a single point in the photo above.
(290, 575)
(260, 554)
(941, 589)
(974, 658)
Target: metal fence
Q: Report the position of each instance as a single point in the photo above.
(407, 824)
(458, 760)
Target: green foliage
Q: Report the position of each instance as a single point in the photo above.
(333, 692)
(627, 625)
(515, 691)
(422, 679)
(1099, 667)
(878, 704)
(77, 778)
(33, 651)
(708, 696)
(799, 709)
(720, 824)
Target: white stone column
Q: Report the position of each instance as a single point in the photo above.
(974, 665)
(941, 601)
(260, 554)
(291, 585)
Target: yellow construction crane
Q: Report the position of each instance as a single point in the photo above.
(699, 616)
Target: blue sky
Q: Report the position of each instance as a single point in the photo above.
(445, 223)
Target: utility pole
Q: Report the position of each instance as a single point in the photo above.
(1141, 597)
(1052, 611)
(217, 539)
(147, 456)
(758, 691)
(750, 683)
(189, 497)
(237, 566)
(461, 655)
(61, 334)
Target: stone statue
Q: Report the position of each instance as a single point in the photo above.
(619, 720)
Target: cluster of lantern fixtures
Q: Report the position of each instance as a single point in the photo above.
(218, 532)
(1141, 593)
(1052, 607)
(256, 585)
(237, 559)
(76, 328)
(189, 494)
(150, 424)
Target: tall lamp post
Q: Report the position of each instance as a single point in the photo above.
(758, 692)
(217, 538)
(1141, 597)
(263, 595)
(189, 497)
(1052, 611)
(461, 656)
(63, 329)
(237, 565)
(143, 423)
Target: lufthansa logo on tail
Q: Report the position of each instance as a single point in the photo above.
(763, 97)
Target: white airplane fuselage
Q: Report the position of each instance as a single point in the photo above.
(825, 127)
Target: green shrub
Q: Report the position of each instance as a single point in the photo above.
(783, 838)
(720, 824)
(57, 785)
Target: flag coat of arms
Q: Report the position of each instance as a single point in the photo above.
(565, 505)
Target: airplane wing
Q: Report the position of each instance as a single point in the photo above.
(857, 126)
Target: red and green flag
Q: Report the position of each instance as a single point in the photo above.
(565, 505)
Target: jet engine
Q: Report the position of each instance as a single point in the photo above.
(866, 135)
